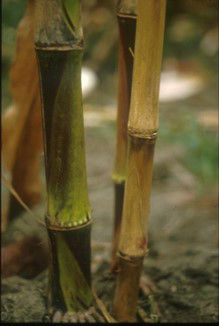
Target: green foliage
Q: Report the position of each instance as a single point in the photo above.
(201, 146)
(12, 11)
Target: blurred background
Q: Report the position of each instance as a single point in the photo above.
(183, 221)
(188, 94)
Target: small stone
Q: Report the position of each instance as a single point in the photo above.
(173, 288)
(81, 317)
(57, 316)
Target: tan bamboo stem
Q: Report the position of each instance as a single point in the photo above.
(126, 16)
(142, 129)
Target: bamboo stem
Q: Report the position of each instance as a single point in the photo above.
(59, 48)
(143, 119)
(69, 269)
(126, 15)
(142, 129)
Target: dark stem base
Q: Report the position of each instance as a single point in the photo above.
(69, 269)
(119, 196)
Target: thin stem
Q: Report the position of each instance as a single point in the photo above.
(142, 129)
(126, 16)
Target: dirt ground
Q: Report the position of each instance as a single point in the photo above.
(182, 263)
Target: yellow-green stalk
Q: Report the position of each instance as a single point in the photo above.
(126, 16)
(142, 130)
(59, 49)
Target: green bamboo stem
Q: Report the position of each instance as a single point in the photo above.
(59, 49)
(126, 16)
(142, 130)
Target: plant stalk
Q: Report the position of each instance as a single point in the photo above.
(126, 16)
(142, 130)
(59, 48)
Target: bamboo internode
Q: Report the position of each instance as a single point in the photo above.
(58, 42)
(143, 117)
(133, 237)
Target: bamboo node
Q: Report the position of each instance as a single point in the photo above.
(118, 179)
(132, 260)
(150, 135)
(123, 15)
(127, 8)
(62, 228)
(58, 47)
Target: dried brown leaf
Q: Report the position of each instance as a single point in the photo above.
(21, 123)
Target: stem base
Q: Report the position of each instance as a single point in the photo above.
(69, 270)
(127, 289)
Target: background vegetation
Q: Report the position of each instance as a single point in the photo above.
(191, 44)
